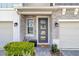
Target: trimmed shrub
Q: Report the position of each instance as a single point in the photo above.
(19, 49)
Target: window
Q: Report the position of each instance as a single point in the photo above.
(7, 5)
(29, 26)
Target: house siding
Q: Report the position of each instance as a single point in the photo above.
(11, 15)
(55, 18)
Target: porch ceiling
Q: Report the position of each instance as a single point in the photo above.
(63, 10)
(34, 10)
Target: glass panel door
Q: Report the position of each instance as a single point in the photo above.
(43, 30)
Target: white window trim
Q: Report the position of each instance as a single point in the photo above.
(27, 27)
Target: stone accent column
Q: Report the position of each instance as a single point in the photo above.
(55, 30)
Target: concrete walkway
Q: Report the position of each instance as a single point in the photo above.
(46, 52)
(2, 53)
(70, 52)
(40, 51)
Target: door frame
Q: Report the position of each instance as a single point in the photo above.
(38, 29)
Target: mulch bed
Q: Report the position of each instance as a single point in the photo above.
(56, 53)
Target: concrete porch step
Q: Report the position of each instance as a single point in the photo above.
(42, 51)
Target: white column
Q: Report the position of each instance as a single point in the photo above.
(16, 29)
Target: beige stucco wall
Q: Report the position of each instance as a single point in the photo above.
(37, 4)
(22, 28)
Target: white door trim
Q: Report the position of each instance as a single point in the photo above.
(48, 28)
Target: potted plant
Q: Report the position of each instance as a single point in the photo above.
(55, 51)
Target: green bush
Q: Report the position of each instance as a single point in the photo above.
(54, 48)
(19, 49)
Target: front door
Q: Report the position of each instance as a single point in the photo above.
(43, 30)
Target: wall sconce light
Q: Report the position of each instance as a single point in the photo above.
(15, 24)
(56, 24)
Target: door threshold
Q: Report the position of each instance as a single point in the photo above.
(43, 45)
